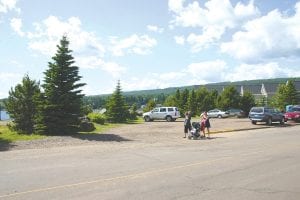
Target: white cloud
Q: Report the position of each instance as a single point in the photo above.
(153, 81)
(175, 5)
(47, 34)
(261, 71)
(114, 69)
(210, 71)
(154, 28)
(16, 24)
(134, 44)
(179, 40)
(214, 19)
(8, 5)
(94, 62)
(274, 35)
(7, 81)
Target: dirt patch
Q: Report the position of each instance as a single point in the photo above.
(133, 135)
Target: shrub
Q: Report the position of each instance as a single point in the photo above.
(97, 118)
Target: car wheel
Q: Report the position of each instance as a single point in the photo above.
(147, 119)
(269, 122)
(282, 121)
(253, 122)
(219, 116)
(169, 118)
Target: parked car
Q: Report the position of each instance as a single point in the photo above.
(293, 114)
(217, 113)
(266, 114)
(166, 113)
(233, 112)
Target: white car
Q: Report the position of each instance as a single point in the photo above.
(166, 113)
(217, 113)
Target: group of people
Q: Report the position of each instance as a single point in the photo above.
(204, 124)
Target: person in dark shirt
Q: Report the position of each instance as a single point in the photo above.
(187, 124)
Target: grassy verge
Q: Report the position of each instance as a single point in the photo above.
(102, 128)
(12, 136)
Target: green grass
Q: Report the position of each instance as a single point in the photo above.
(12, 136)
(102, 128)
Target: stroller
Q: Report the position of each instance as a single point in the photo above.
(195, 132)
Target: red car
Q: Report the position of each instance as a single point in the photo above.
(293, 114)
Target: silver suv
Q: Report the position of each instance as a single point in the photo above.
(166, 113)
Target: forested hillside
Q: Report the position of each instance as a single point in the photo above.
(143, 96)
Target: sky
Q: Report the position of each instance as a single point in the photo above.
(151, 44)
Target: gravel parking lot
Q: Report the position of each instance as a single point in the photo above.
(133, 135)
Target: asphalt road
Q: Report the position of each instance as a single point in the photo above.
(255, 164)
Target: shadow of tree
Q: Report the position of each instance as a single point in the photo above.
(5, 145)
(105, 137)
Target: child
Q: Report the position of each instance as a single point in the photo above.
(187, 124)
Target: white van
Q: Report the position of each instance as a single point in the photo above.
(168, 113)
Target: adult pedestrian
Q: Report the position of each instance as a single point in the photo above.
(187, 123)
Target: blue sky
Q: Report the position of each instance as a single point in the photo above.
(149, 44)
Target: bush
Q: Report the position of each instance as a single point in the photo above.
(97, 118)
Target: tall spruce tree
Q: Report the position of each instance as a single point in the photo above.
(63, 98)
(22, 105)
(117, 110)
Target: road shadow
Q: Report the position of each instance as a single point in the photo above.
(104, 137)
(5, 145)
(208, 138)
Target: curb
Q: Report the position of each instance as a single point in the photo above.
(247, 129)
(236, 130)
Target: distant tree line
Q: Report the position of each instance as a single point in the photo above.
(201, 99)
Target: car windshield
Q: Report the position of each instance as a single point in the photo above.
(295, 109)
(257, 110)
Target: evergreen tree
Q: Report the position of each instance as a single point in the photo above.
(229, 98)
(291, 93)
(247, 102)
(183, 103)
(213, 99)
(22, 105)
(192, 103)
(171, 101)
(117, 110)
(150, 105)
(286, 95)
(177, 98)
(63, 99)
(201, 96)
